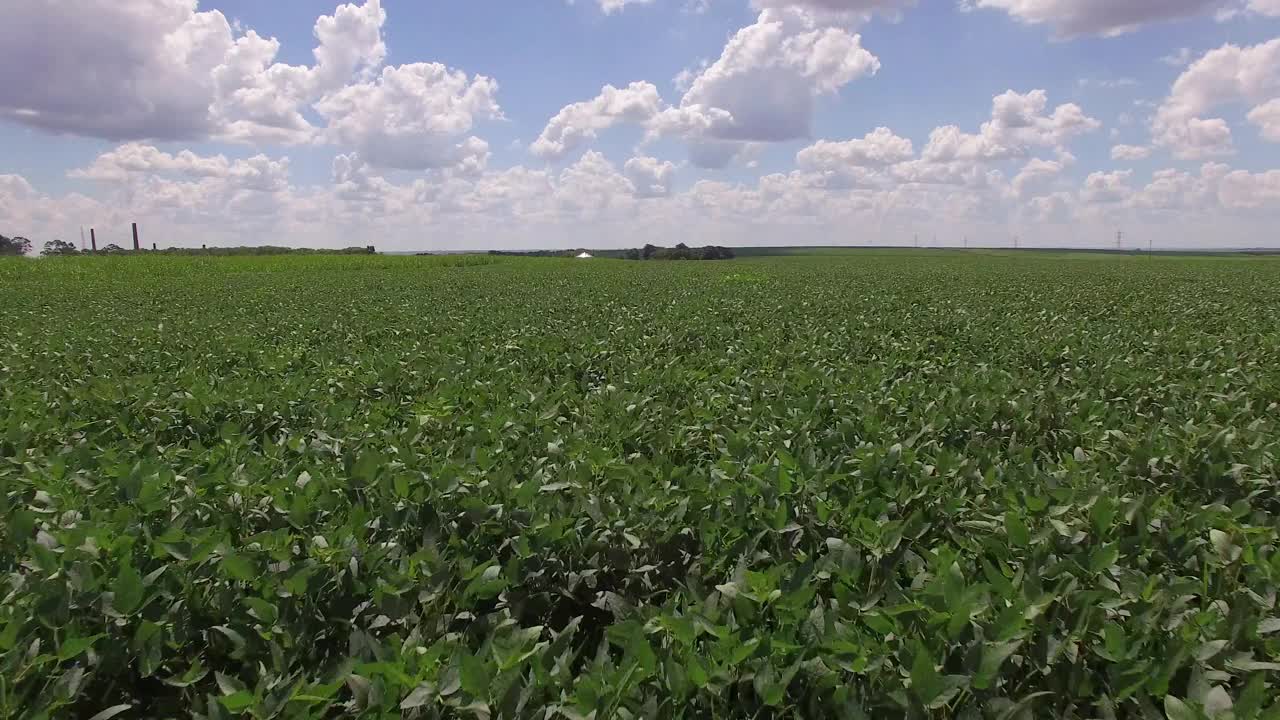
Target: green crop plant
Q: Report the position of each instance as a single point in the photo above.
(860, 485)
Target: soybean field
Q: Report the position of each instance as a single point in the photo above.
(859, 485)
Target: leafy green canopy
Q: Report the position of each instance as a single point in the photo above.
(873, 485)
(14, 245)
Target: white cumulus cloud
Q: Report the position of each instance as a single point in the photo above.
(1245, 190)
(841, 10)
(764, 85)
(1019, 122)
(761, 89)
(1267, 118)
(1270, 8)
(1036, 171)
(1130, 152)
(650, 177)
(609, 7)
(413, 117)
(1228, 75)
(1070, 18)
(579, 122)
(878, 148)
(163, 70)
(1107, 188)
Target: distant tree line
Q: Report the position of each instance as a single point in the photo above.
(267, 250)
(59, 247)
(648, 252)
(535, 253)
(680, 252)
(22, 246)
(14, 245)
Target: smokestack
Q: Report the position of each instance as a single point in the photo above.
(136, 246)
(93, 238)
(153, 247)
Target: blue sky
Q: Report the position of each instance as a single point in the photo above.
(421, 128)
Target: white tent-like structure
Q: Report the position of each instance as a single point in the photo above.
(585, 256)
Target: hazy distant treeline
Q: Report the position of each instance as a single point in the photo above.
(265, 250)
(648, 252)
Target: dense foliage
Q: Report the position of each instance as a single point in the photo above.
(59, 247)
(14, 245)
(871, 485)
(680, 252)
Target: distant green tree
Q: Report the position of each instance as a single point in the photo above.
(112, 248)
(633, 254)
(679, 252)
(649, 251)
(59, 247)
(14, 245)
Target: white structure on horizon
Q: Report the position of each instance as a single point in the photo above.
(585, 256)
